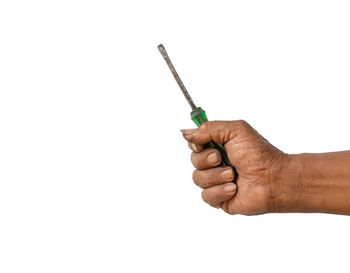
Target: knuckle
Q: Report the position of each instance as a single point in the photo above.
(242, 123)
(216, 195)
(195, 177)
(204, 196)
(213, 177)
(189, 144)
(193, 159)
(242, 126)
(210, 125)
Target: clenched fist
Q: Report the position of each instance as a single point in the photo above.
(253, 189)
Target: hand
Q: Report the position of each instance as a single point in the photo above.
(258, 163)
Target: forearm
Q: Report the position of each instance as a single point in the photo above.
(314, 183)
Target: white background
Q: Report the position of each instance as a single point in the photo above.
(94, 173)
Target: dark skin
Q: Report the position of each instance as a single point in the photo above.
(268, 180)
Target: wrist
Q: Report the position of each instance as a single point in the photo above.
(286, 184)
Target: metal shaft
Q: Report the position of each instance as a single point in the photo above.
(176, 76)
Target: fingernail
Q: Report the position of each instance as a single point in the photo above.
(212, 158)
(227, 174)
(188, 131)
(194, 147)
(230, 188)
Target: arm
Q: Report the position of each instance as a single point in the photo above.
(267, 179)
(315, 183)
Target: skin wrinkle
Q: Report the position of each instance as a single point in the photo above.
(244, 207)
(274, 170)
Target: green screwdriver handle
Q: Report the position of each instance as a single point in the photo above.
(199, 117)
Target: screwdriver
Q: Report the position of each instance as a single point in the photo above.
(198, 115)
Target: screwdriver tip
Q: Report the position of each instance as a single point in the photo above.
(162, 50)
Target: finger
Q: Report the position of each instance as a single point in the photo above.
(195, 147)
(212, 177)
(217, 131)
(206, 159)
(215, 196)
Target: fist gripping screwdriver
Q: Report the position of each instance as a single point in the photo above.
(198, 114)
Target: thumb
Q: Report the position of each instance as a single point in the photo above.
(217, 131)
